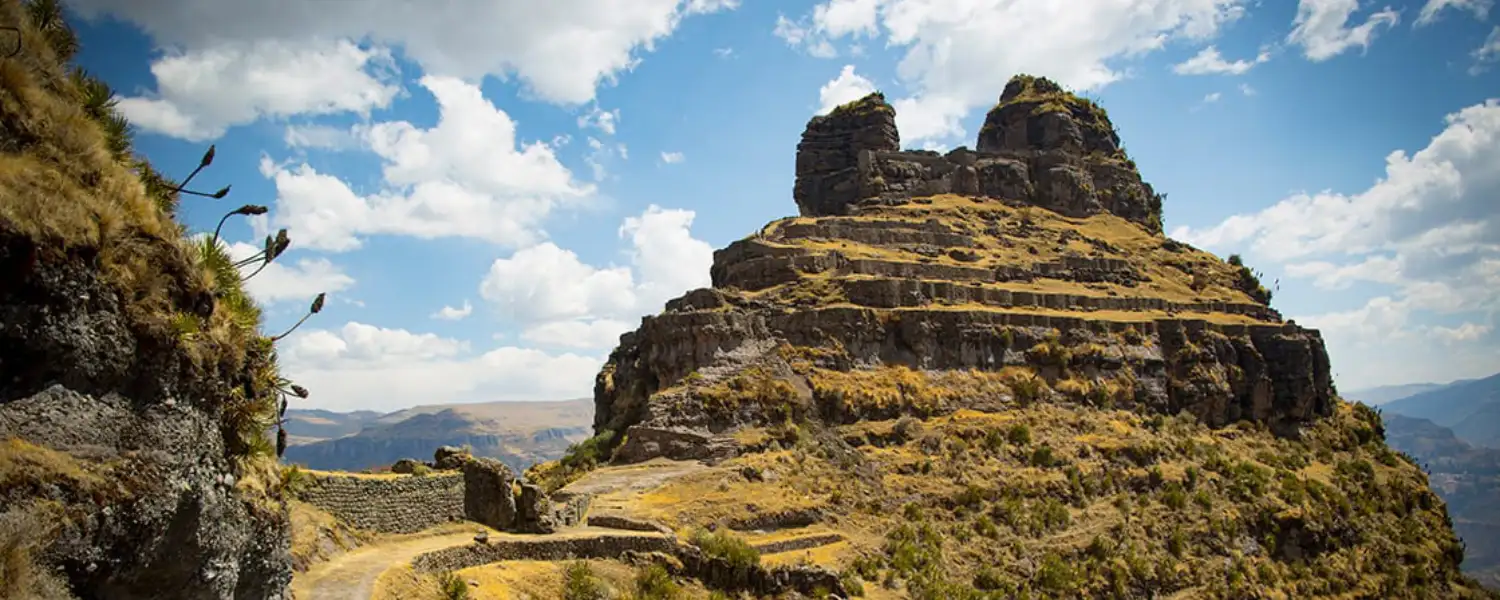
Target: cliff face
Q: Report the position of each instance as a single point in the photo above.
(129, 465)
(1045, 238)
(992, 374)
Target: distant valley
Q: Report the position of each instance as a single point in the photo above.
(517, 433)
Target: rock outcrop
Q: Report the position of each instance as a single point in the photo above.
(132, 463)
(1039, 145)
(1039, 252)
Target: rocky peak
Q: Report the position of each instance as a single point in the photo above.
(1040, 145)
(1034, 113)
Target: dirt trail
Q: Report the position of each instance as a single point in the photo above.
(351, 576)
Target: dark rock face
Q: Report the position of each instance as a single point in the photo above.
(85, 377)
(1040, 145)
(489, 496)
(832, 159)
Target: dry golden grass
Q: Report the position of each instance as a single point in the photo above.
(29, 469)
(1043, 241)
(317, 535)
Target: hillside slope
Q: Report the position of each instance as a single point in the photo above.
(987, 374)
(1468, 480)
(519, 434)
(136, 384)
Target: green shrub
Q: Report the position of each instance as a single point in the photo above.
(1042, 457)
(452, 586)
(654, 583)
(580, 583)
(721, 545)
(1019, 434)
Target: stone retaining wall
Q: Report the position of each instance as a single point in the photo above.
(402, 504)
(604, 546)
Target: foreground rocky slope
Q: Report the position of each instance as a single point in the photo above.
(134, 387)
(987, 374)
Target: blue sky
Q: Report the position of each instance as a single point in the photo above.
(492, 192)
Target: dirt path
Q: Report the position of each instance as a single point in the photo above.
(351, 576)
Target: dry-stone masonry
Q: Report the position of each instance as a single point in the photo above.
(401, 504)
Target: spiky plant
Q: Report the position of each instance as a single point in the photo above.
(101, 104)
(47, 17)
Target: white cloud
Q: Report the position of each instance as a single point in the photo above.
(364, 367)
(582, 334)
(672, 158)
(468, 176)
(1432, 10)
(1208, 61)
(283, 282)
(724, 52)
(1322, 27)
(1487, 53)
(561, 50)
(319, 136)
(1427, 232)
(1466, 332)
(1246, 89)
(449, 313)
(958, 56)
(847, 87)
(560, 300)
(1212, 97)
(603, 120)
(796, 34)
(202, 93)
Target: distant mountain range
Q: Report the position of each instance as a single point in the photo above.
(1470, 408)
(1377, 396)
(1468, 480)
(517, 433)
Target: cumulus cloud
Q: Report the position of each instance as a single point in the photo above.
(449, 313)
(468, 176)
(561, 51)
(559, 300)
(847, 87)
(959, 56)
(1426, 232)
(1322, 27)
(201, 93)
(1434, 9)
(365, 367)
(673, 158)
(1209, 62)
(798, 35)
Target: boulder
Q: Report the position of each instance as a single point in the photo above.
(449, 457)
(489, 493)
(405, 466)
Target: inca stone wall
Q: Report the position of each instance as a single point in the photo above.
(403, 504)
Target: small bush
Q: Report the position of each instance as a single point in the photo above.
(907, 429)
(1019, 434)
(740, 555)
(452, 586)
(580, 583)
(420, 470)
(654, 583)
(1042, 457)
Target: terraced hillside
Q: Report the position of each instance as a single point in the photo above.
(988, 374)
(984, 374)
